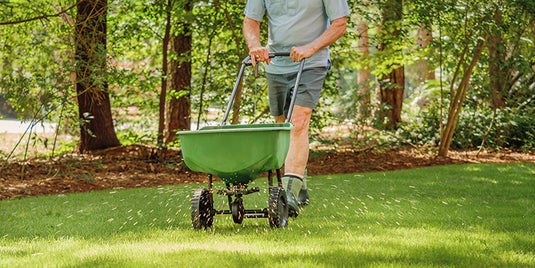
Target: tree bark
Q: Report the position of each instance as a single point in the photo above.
(392, 84)
(163, 90)
(94, 106)
(363, 72)
(392, 87)
(179, 112)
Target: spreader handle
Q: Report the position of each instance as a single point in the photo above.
(247, 62)
(296, 87)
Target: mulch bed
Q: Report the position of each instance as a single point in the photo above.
(143, 166)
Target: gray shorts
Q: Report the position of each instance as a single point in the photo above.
(280, 89)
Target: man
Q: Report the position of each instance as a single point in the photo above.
(305, 28)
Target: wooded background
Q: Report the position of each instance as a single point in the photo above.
(440, 73)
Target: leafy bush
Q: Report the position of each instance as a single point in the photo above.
(512, 128)
(520, 129)
(129, 137)
(424, 128)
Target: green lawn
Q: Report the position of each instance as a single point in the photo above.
(461, 215)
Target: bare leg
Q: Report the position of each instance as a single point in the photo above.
(297, 158)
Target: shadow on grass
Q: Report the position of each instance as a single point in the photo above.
(467, 214)
(397, 255)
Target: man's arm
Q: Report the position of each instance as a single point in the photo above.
(251, 33)
(335, 31)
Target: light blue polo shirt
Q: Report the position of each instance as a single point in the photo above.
(295, 23)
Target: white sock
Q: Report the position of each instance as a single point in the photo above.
(295, 175)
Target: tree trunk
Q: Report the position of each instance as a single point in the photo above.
(422, 40)
(392, 84)
(363, 72)
(392, 87)
(94, 106)
(456, 103)
(179, 112)
(163, 90)
(496, 70)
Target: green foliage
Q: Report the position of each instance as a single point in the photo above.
(35, 68)
(424, 130)
(135, 136)
(64, 147)
(36, 63)
(508, 128)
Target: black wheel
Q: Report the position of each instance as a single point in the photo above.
(277, 208)
(238, 210)
(202, 209)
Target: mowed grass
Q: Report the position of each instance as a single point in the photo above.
(461, 215)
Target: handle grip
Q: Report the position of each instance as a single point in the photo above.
(248, 62)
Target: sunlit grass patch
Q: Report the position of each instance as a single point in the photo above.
(462, 215)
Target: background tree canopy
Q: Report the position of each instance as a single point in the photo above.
(445, 74)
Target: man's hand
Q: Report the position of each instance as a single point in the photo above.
(259, 54)
(335, 31)
(299, 53)
(251, 33)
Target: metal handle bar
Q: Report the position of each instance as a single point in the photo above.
(247, 62)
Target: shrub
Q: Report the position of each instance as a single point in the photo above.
(512, 128)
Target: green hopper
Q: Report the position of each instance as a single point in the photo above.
(236, 154)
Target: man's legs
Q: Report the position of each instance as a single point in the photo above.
(280, 91)
(297, 158)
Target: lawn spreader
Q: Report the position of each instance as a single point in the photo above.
(238, 154)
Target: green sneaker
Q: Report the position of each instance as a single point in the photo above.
(292, 185)
(303, 198)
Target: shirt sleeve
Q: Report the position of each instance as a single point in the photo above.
(336, 9)
(255, 9)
